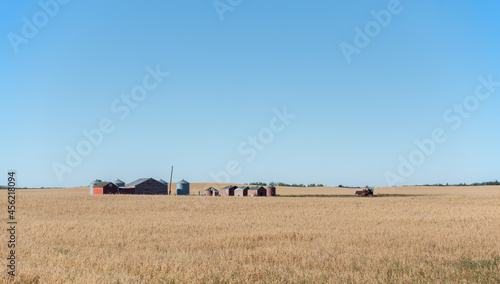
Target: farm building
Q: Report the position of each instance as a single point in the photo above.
(257, 191)
(228, 190)
(271, 191)
(119, 183)
(166, 183)
(182, 187)
(145, 186)
(126, 190)
(211, 192)
(208, 192)
(92, 185)
(241, 191)
(105, 187)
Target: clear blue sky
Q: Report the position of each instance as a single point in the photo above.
(353, 121)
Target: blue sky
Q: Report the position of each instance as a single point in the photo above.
(353, 121)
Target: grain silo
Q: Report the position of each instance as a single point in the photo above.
(183, 188)
(119, 183)
(92, 185)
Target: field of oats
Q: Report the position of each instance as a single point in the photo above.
(410, 234)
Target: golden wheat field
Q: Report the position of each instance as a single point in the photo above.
(408, 235)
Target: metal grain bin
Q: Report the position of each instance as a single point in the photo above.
(183, 188)
(119, 183)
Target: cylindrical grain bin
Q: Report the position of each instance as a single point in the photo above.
(119, 183)
(183, 188)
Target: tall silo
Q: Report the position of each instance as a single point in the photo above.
(183, 188)
(92, 185)
(119, 183)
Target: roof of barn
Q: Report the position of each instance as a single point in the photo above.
(256, 188)
(138, 181)
(102, 184)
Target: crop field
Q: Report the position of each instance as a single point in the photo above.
(321, 235)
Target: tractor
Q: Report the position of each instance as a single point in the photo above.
(367, 192)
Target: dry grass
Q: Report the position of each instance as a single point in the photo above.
(67, 236)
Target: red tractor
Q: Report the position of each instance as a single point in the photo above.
(367, 192)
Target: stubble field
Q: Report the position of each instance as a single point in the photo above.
(414, 234)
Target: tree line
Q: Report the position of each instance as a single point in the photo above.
(464, 184)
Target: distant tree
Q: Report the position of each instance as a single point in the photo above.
(312, 185)
(341, 185)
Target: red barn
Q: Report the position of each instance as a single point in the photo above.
(271, 191)
(105, 187)
(241, 191)
(257, 191)
(228, 190)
